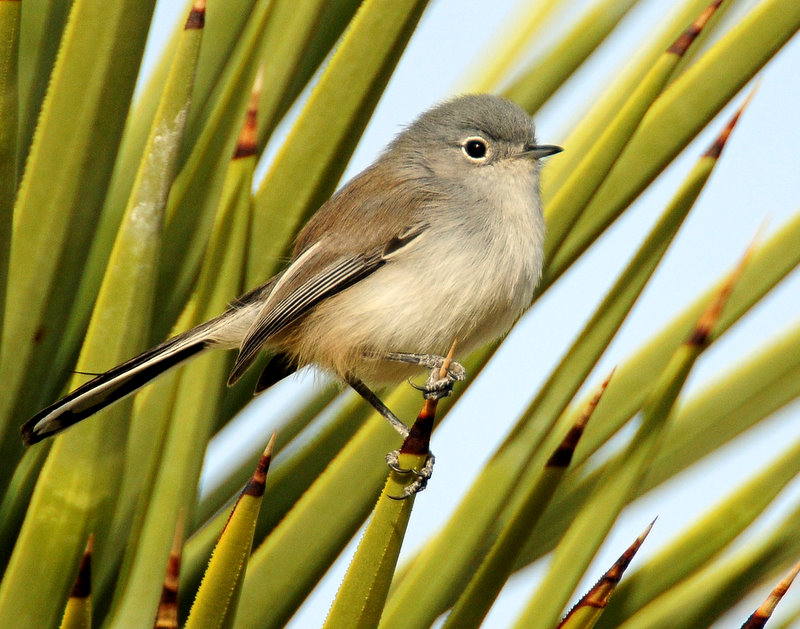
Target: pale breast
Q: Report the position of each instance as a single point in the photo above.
(467, 278)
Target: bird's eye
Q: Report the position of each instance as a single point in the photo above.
(475, 148)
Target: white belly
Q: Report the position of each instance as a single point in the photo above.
(421, 301)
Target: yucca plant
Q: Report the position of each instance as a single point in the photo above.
(127, 218)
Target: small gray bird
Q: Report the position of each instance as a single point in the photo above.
(439, 239)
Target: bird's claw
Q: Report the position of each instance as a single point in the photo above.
(421, 476)
(437, 387)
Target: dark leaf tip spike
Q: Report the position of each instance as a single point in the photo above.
(167, 614)
(562, 456)
(258, 481)
(197, 16)
(715, 150)
(760, 617)
(701, 334)
(82, 588)
(419, 436)
(688, 36)
(601, 592)
(247, 144)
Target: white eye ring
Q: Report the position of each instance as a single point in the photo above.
(475, 148)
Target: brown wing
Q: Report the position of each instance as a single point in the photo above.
(294, 298)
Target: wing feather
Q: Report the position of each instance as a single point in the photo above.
(331, 280)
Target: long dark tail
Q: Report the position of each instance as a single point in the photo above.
(114, 384)
(224, 331)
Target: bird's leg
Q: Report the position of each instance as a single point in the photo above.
(364, 391)
(436, 386)
(392, 458)
(421, 476)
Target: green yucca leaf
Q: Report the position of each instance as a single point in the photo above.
(758, 387)
(18, 494)
(225, 27)
(678, 115)
(174, 487)
(362, 594)
(315, 153)
(698, 544)
(571, 199)
(86, 460)
(591, 525)
(770, 263)
(217, 599)
(483, 588)
(9, 103)
(702, 598)
(290, 64)
(581, 137)
(41, 29)
(633, 379)
(542, 78)
(592, 605)
(331, 23)
(167, 612)
(299, 550)
(289, 479)
(63, 187)
(151, 417)
(78, 613)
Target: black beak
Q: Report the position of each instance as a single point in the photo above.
(538, 151)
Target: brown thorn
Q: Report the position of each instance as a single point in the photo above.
(197, 16)
(562, 456)
(715, 150)
(448, 359)
(82, 588)
(429, 408)
(620, 565)
(681, 45)
(764, 612)
(167, 613)
(255, 486)
(705, 324)
(784, 585)
(419, 435)
(247, 144)
(257, 483)
(177, 546)
(601, 592)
